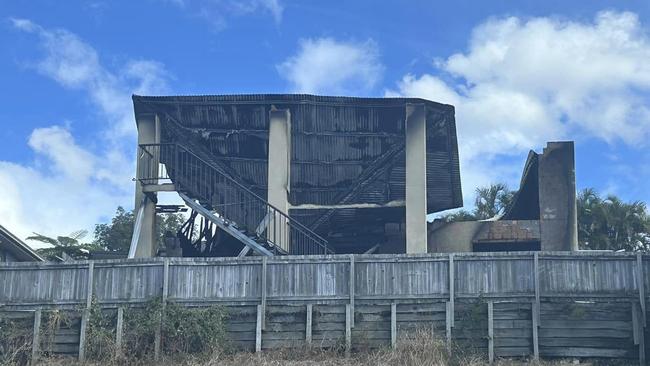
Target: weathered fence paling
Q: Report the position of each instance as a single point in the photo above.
(503, 304)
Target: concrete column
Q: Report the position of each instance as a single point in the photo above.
(148, 133)
(279, 165)
(416, 179)
(557, 198)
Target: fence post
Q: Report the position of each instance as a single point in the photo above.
(308, 325)
(119, 330)
(393, 325)
(352, 287)
(36, 338)
(263, 284)
(536, 278)
(448, 325)
(536, 306)
(638, 332)
(165, 289)
(348, 330)
(642, 359)
(641, 284)
(491, 331)
(258, 330)
(86, 312)
(452, 289)
(635, 323)
(535, 312)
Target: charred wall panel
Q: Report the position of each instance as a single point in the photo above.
(334, 145)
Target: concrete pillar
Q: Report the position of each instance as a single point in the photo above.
(416, 179)
(148, 133)
(557, 198)
(279, 165)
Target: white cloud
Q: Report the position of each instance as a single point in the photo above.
(328, 66)
(524, 82)
(218, 12)
(68, 187)
(59, 147)
(61, 192)
(75, 64)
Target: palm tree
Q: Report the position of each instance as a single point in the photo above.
(64, 246)
(490, 201)
(611, 224)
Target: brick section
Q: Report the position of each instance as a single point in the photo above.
(509, 230)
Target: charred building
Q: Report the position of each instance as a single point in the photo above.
(295, 174)
(303, 174)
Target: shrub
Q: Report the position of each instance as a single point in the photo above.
(15, 340)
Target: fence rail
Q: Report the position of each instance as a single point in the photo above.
(326, 278)
(548, 304)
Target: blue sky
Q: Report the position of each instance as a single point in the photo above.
(520, 73)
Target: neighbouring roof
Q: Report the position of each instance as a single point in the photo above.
(21, 251)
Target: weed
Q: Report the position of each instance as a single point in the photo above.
(15, 340)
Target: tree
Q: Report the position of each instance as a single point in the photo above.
(116, 235)
(64, 245)
(168, 222)
(490, 201)
(611, 224)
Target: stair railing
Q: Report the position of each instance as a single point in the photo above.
(214, 189)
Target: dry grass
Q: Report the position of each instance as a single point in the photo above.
(418, 349)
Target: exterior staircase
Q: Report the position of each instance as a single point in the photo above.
(209, 190)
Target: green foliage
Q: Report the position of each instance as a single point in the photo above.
(62, 246)
(100, 333)
(199, 330)
(490, 201)
(116, 235)
(184, 330)
(140, 326)
(612, 224)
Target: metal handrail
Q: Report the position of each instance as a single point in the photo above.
(152, 174)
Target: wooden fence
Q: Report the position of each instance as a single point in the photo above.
(522, 304)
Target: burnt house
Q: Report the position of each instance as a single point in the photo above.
(295, 174)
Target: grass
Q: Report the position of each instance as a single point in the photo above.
(417, 349)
